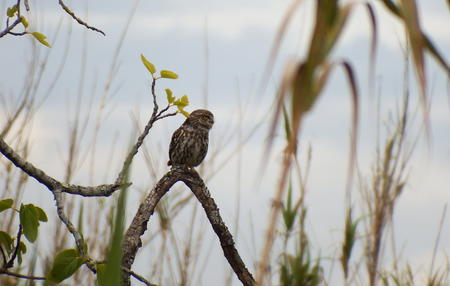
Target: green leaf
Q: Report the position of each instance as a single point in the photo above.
(6, 241)
(185, 100)
(182, 111)
(24, 21)
(22, 250)
(22, 247)
(170, 97)
(287, 126)
(41, 38)
(112, 269)
(150, 67)
(29, 219)
(417, 41)
(101, 274)
(349, 241)
(6, 204)
(80, 222)
(11, 11)
(168, 74)
(182, 102)
(42, 216)
(66, 263)
(288, 212)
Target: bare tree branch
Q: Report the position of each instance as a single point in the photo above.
(81, 22)
(155, 117)
(88, 191)
(132, 240)
(51, 183)
(18, 19)
(8, 28)
(79, 240)
(198, 187)
(85, 191)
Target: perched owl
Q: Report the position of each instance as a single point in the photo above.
(189, 143)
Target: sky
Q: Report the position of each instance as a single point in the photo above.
(220, 50)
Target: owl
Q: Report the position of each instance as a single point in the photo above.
(189, 143)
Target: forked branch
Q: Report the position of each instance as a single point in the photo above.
(132, 240)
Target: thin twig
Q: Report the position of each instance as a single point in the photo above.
(138, 277)
(16, 22)
(17, 34)
(16, 250)
(155, 103)
(62, 216)
(79, 240)
(10, 263)
(81, 22)
(164, 110)
(168, 115)
(155, 117)
(138, 144)
(23, 276)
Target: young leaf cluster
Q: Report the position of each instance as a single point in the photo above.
(14, 12)
(11, 11)
(162, 74)
(180, 102)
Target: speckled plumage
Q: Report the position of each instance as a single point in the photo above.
(189, 143)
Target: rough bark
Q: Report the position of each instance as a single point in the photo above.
(132, 240)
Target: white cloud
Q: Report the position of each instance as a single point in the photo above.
(230, 24)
